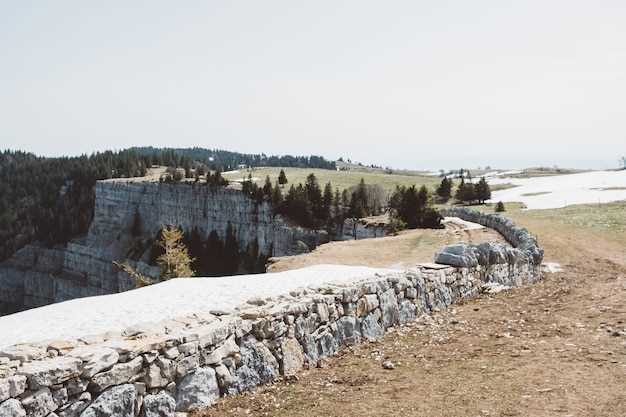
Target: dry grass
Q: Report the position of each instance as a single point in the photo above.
(405, 250)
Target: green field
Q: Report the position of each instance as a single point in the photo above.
(339, 179)
(608, 218)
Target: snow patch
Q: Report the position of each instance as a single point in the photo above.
(463, 224)
(551, 267)
(563, 190)
(174, 298)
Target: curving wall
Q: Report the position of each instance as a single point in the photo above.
(189, 362)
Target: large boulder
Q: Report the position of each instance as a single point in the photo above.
(159, 405)
(12, 408)
(459, 255)
(116, 402)
(12, 386)
(197, 390)
(39, 403)
(258, 366)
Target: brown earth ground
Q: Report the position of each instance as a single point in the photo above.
(556, 348)
(405, 250)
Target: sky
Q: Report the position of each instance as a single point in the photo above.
(410, 84)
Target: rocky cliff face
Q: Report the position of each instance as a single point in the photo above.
(37, 276)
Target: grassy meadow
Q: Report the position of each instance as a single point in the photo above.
(339, 179)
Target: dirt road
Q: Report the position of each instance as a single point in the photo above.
(557, 348)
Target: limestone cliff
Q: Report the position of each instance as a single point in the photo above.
(36, 276)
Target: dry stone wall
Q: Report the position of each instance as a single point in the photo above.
(189, 362)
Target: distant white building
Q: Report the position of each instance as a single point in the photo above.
(242, 166)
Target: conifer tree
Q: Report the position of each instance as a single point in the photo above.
(444, 191)
(277, 196)
(327, 201)
(135, 229)
(175, 261)
(231, 251)
(213, 255)
(267, 187)
(483, 191)
(282, 177)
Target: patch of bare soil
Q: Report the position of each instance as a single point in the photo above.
(402, 251)
(557, 348)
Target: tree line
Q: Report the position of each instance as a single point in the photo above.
(209, 256)
(466, 192)
(218, 159)
(51, 200)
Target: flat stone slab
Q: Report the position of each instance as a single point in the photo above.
(431, 265)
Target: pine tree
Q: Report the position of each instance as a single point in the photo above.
(267, 188)
(135, 229)
(483, 192)
(444, 191)
(277, 196)
(231, 251)
(327, 201)
(175, 261)
(282, 177)
(213, 255)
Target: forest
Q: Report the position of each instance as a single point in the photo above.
(51, 200)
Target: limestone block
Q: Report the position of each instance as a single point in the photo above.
(118, 401)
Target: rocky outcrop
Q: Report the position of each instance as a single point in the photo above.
(187, 363)
(37, 276)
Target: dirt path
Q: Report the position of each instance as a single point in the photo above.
(557, 348)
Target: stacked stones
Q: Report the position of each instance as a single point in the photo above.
(525, 250)
(188, 363)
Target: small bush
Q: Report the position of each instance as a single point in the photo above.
(500, 207)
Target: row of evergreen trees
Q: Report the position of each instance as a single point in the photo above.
(413, 209)
(466, 193)
(51, 200)
(469, 193)
(218, 159)
(214, 255)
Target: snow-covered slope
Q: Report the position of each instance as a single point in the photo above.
(563, 190)
(171, 299)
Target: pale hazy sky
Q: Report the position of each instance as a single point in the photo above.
(414, 84)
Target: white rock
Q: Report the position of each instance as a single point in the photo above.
(12, 386)
(121, 373)
(24, 353)
(293, 357)
(197, 390)
(39, 403)
(118, 401)
(96, 359)
(12, 408)
(50, 371)
(228, 348)
(160, 405)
